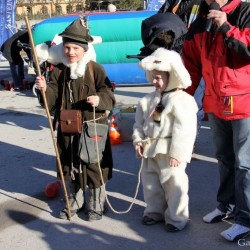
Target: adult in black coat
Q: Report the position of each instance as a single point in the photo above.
(12, 52)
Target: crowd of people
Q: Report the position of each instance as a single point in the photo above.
(219, 33)
(213, 50)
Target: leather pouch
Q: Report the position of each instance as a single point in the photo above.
(71, 121)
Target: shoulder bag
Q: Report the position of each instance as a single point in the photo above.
(92, 133)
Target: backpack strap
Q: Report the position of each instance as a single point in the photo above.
(91, 71)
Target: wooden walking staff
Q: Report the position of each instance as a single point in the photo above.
(48, 115)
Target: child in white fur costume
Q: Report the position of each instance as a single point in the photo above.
(164, 135)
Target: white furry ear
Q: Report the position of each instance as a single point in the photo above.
(149, 76)
(97, 39)
(56, 54)
(91, 52)
(42, 51)
(53, 55)
(56, 40)
(180, 72)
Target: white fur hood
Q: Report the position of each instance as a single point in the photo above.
(168, 61)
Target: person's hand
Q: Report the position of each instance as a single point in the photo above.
(139, 149)
(40, 83)
(218, 17)
(173, 162)
(93, 100)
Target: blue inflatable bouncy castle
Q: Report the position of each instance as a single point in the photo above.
(121, 36)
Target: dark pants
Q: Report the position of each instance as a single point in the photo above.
(17, 73)
(232, 148)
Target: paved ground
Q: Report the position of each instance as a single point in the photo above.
(27, 164)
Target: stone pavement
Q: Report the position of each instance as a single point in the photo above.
(28, 219)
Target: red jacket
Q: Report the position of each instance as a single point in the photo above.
(222, 57)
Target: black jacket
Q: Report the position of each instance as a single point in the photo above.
(10, 49)
(176, 24)
(159, 23)
(184, 8)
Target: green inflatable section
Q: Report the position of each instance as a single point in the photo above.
(127, 29)
(120, 33)
(118, 26)
(44, 33)
(115, 52)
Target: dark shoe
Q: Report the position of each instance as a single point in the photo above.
(171, 228)
(65, 215)
(93, 215)
(216, 216)
(148, 221)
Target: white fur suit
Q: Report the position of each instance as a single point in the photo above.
(166, 188)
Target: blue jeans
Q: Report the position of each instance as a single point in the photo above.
(232, 149)
(17, 73)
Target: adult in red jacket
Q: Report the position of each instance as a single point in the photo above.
(221, 55)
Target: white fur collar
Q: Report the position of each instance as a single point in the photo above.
(55, 55)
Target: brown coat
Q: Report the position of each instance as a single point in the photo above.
(81, 89)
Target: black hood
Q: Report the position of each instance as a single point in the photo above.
(159, 23)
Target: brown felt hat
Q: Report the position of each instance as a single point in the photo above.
(78, 31)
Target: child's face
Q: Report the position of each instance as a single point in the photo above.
(160, 80)
(73, 52)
